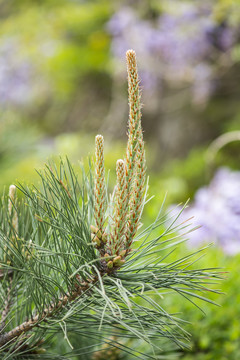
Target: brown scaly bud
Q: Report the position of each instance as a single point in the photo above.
(100, 186)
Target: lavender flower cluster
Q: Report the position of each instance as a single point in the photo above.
(216, 209)
(15, 75)
(179, 46)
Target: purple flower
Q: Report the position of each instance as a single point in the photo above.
(216, 209)
(177, 45)
(121, 20)
(222, 37)
(15, 75)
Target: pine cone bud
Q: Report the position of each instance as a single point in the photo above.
(110, 264)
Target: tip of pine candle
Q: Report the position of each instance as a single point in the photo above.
(130, 52)
(131, 59)
(12, 190)
(99, 138)
(120, 162)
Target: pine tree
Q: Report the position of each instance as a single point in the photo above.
(74, 261)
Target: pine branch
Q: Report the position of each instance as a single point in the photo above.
(47, 312)
(69, 258)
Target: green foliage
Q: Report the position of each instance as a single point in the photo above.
(72, 34)
(66, 45)
(227, 8)
(23, 149)
(18, 151)
(215, 334)
(179, 179)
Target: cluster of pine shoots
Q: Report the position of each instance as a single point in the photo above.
(68, 264)
(114, 239)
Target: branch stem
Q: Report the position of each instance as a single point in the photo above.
(49, 311)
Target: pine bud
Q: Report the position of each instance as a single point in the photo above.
(122, 253)
(40, 351)
(104, 238)
(96, 231)
(116, 259)
(121, 262)
(95, 239)
(110, 264)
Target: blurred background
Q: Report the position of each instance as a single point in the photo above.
(63, 80)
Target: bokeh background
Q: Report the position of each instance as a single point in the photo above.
(63, 80)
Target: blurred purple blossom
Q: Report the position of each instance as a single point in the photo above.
(176, 45)
(221, 37)
(15, 75)
(216, 209)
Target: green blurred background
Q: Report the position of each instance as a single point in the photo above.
(63, 80)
